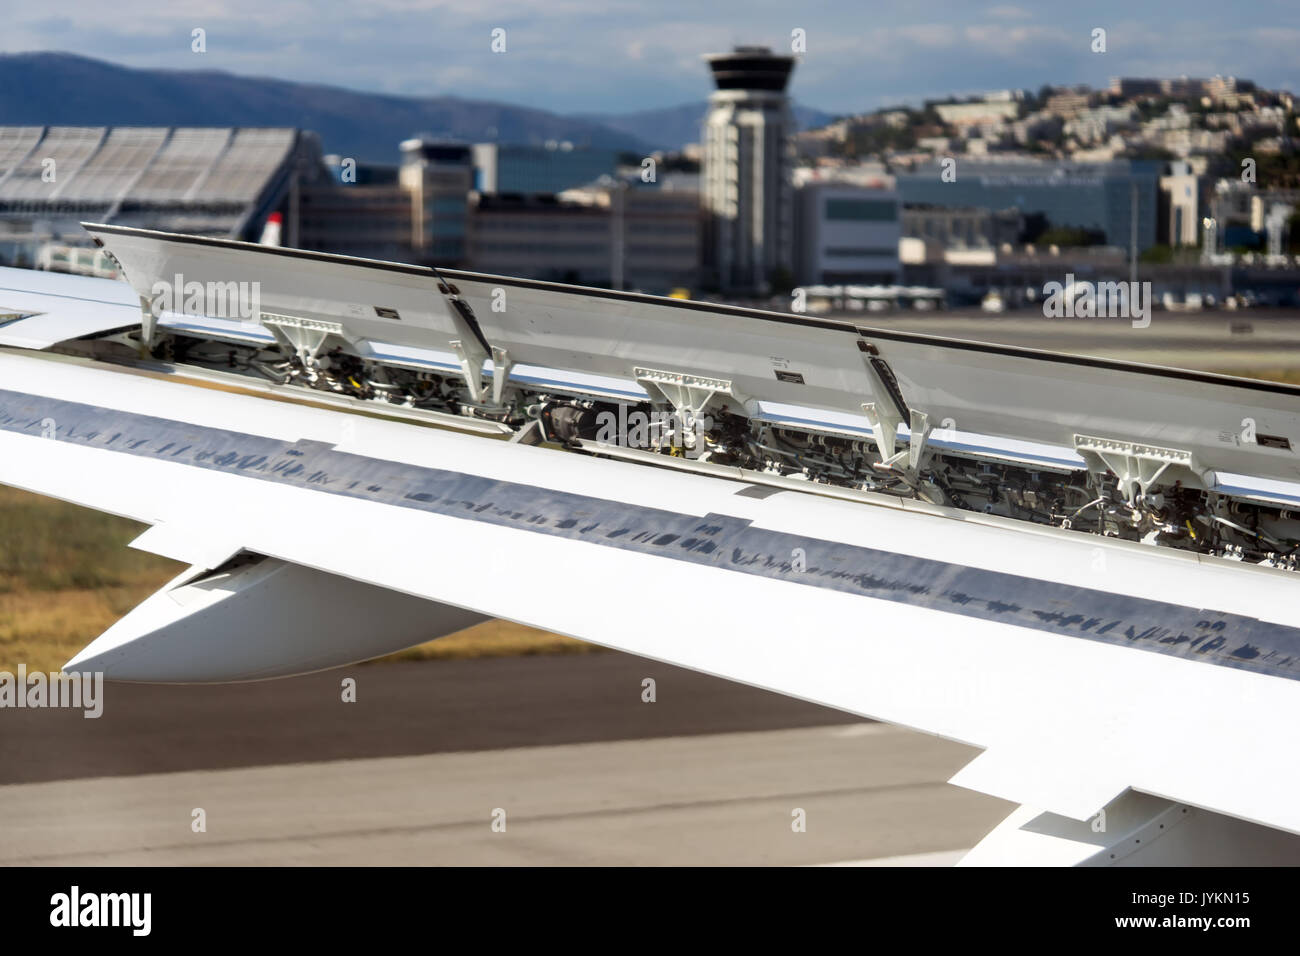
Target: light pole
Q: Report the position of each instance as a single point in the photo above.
(1133, 234)
(618, 198)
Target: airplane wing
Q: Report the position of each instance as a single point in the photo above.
(1139, 700)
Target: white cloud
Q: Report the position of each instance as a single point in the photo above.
(1008, 12)
(592, 55)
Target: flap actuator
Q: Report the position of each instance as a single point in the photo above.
(886, 417)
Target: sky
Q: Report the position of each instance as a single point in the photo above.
(571, 56)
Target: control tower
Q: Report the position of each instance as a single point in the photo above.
(748, 156)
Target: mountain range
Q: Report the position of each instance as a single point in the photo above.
(46, 89)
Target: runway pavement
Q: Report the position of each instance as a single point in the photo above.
(562, 750)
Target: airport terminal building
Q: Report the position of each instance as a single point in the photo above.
(203, 180)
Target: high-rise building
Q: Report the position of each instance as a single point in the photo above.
(748, 156)
(1179, 220)
(438, 176)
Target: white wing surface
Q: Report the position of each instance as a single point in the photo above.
(1087, 669)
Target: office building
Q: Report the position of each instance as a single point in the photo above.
(846, 234)
(607, 234)
(1096, 197)
(438, 177)
(552, 168)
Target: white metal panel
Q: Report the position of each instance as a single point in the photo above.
(298, 287)
(62, 307)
